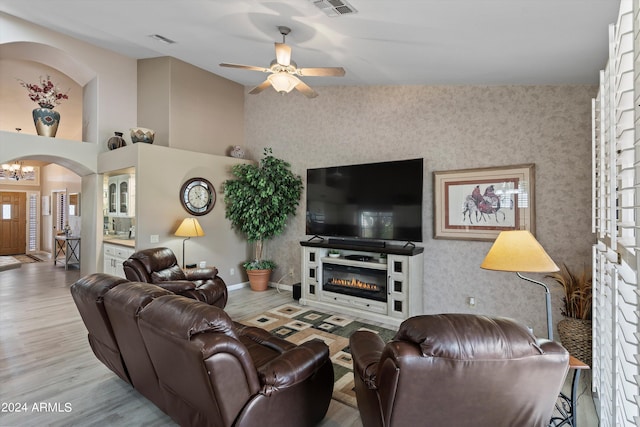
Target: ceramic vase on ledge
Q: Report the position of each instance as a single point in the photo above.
(116, 141)
(46, 120)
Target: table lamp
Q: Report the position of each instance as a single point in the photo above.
(518, 251)
(190, 227)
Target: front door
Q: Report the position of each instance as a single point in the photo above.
(13, 223)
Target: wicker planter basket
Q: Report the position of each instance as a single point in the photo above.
(575, 336)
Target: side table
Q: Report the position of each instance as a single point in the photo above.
(567, 406)
(68, 250)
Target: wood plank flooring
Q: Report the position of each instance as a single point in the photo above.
(50, 377)
(49, 373)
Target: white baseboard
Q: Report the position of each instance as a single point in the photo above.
(271, 285)
(237, 286)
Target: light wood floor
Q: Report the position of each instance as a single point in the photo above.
(45, 357)
(48, 371)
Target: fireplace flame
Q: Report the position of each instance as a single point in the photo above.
(354, 283)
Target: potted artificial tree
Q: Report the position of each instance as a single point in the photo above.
(575, 329)
(258, 201)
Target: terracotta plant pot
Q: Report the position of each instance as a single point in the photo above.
(259, 279)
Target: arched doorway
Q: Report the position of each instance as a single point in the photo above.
(75, 163)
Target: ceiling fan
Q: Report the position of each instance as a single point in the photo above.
(284, 71)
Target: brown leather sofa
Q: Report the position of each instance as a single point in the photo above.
(457, 370)
(196, 364)
(160, 267)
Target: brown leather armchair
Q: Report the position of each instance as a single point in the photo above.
(160, 267)
(458, 370)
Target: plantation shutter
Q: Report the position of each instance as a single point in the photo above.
(32, 219)
(616, 188)
(62, 218)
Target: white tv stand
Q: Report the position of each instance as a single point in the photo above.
(404, 272)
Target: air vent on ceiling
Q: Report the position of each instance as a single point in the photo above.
(162, 39)
(334, 7)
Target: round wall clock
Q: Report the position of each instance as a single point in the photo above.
(198, 196)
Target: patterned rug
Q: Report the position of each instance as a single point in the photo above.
(26, 259)
(298, 324)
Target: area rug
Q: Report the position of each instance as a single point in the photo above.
(27, 258)
(298, 324)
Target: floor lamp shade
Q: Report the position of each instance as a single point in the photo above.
(517, 251)
(190, 227)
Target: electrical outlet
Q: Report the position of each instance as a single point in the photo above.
(471, 301)
(291, 271)
(232, 271)
(154, 238)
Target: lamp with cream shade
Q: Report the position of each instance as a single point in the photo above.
(518, 251)
(190, 227)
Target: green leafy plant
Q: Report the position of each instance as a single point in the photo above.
(577, 292)
(264, 264)
(259, 200)
(334, 252)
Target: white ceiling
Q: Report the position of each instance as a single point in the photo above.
(432, 42)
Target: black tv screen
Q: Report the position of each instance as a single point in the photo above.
(378, 201)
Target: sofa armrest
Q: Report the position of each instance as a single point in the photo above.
(201, 273)
(293, 366)
(366, 350)
(176, 286)
(265, 338)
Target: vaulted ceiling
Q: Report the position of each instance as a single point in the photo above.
(431, 42)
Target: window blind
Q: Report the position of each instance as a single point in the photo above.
(616, 205)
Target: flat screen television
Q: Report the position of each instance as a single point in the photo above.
(377, 201)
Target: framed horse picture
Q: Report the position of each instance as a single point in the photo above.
(477, 204)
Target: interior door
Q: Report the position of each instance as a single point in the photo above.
(13, 223)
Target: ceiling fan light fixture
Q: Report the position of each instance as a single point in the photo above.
(283, 82)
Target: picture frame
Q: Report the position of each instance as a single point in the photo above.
(477, 204)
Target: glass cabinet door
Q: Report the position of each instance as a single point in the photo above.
(113, 198)
(124, 197)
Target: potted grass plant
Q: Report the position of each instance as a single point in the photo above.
(258, 201)
(575, 328)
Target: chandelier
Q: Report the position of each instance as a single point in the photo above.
(17, 171)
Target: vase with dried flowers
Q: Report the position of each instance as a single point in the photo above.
(575, 328)
(46, 95)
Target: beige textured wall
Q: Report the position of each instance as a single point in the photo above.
(160, 173)
(188, 107)
(451, 127)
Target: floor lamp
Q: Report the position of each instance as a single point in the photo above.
(189, 228)
(518, 251)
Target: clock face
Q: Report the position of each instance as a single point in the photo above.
(197, 196)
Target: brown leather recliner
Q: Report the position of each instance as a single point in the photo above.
(160, 267)
(123, 304)
(214, 372)
(458, 370)
(196, 364)
(88, 295)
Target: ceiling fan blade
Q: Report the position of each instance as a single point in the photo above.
(322, 71)
(245, 67)
(306, 90)
(283, 54)
(262, 86)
